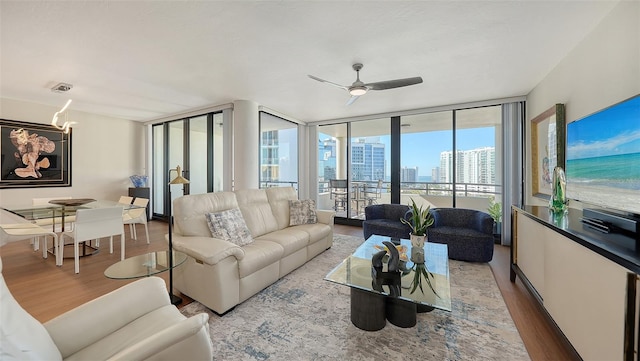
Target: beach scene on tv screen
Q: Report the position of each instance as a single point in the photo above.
(603, 157)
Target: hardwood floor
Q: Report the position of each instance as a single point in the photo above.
(46, 291)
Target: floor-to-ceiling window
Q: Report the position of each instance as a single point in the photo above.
(332, 169)
(278, 152)
(425, 176)
(441, 159)
(478, 140)
(370, 149)
(194, 144)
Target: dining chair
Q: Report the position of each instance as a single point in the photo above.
(50, 221)
(137, 216)
(68, 220)
(11, 232)
(94, 223)
(125, 200)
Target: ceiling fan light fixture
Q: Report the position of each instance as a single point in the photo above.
(357, 91)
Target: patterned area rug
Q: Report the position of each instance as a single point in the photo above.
(304, 317)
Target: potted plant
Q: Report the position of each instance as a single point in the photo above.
(420, 220)
(421, 272)
(495, 211)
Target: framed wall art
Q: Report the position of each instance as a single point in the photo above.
(547, 149)
(34, 155)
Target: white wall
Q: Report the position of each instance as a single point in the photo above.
(603, 69)
(104, 151)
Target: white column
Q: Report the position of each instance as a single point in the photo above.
(246, 145)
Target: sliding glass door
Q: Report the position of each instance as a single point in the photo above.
(439, 159)
(278, 152)
(425, 174)
(194, 144)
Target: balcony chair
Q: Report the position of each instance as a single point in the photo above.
(135, 322)
(339, 192)
(373, 193)
(92, 224)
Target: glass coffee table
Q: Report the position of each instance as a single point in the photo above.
(374, 300)
(144, 265)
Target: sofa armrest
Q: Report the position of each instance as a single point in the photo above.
(169, 337)
(76, 329)
(209, 250)
(325, 216)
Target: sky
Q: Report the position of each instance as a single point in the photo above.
(422, 150)
(615, 130)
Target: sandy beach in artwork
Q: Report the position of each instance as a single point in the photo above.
(607, 197)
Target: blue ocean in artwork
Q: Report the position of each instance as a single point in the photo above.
(619, 171)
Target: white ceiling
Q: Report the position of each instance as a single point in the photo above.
(144, 60)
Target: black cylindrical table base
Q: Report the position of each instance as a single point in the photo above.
(401, 313)
(367, 310)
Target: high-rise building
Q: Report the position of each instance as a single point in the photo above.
(367, 159)
(475, 166)
(409, 174)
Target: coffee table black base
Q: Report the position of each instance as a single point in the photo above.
(371, 311)
(367, 310)
(401, 313)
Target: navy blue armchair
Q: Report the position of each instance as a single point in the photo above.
(467, 232)
(384, 220)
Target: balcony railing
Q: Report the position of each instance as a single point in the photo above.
(269, 184)
(431, 188)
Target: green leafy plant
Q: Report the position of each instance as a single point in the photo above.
(420, 220)
(421, 272)
(495, 210)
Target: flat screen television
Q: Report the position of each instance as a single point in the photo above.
(603, 157)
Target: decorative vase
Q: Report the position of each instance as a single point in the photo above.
(558, 201)
(417, 241)
(417, 255)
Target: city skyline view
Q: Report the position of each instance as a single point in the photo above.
(435, 143)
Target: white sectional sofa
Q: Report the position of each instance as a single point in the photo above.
(221, 274)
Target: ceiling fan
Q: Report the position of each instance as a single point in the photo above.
(359, 88)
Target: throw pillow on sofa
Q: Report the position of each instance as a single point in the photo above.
(302, 212)
(229, 225)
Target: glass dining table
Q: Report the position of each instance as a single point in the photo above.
(58, 209)
(57, 213)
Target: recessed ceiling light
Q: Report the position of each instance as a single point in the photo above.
(61, 87)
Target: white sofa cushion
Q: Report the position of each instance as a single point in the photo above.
(256, 210)
(22, 337)
(279, 198)
(258, 255)
(190, 211)
(302, 212)
(229, 225)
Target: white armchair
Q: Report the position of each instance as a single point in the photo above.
(134, 322)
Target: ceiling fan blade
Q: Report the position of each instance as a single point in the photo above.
(390, 84)
(352, 99)
(328, 82)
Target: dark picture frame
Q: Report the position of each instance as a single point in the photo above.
(547, 149)
(34, 155)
